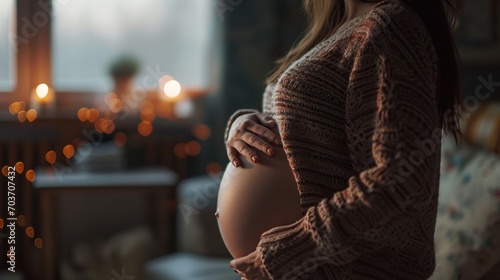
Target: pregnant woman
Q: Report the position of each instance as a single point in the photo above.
(338, 176)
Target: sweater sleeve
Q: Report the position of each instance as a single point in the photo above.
(391, 109)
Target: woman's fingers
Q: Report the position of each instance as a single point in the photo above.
(266, 120)
(232, 154)
(263, 132)
(243, 148)
(255, 141)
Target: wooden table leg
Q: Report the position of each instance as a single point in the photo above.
(48, 223)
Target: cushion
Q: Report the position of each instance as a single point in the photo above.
(468, 224)
(197, 228)
(483, 127)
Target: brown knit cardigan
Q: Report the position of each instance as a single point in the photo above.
(360, 126)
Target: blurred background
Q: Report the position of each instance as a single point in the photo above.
(112, 113)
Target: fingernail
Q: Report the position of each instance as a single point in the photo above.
(277, 141)
(255, 159)
(235, 163)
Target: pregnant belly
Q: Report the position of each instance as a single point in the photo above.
(255, 198)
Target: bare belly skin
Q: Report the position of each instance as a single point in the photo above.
(255, 198)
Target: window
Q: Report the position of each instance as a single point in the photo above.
(7, 51)
(166, 36)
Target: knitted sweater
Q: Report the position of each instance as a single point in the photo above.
(359, 123)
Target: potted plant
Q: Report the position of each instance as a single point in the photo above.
(123, 70)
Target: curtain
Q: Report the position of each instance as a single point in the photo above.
(254, 34)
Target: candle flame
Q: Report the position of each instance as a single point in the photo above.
(172, 88)
(42, 90)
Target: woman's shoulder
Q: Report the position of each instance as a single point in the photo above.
(390, 27)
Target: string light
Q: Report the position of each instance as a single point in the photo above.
(145, 128)
(21, 116)
(30, 232)
(120, 139)
(82, 114)
(38, 243)
(201, 131)
(51, 157)
(213, 168)
(21, 220)
(5, 170)
(192, 148)
(30, 175)
(19, 167)
(69, 151)
(31, 115)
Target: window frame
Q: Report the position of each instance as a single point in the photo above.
(33, 65)
(33, 61)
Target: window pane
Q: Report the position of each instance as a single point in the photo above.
(7, 53)
(167, 36)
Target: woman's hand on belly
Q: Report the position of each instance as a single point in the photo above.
(252, 131)
(250, 267)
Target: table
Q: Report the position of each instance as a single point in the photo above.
(157, 184)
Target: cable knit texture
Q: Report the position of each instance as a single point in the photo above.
(360, 127)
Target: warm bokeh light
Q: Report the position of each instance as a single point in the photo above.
(31, 115)
(148, 114)
(30, 232)
(21, 116)
(106, 114)
(12, 108)
(1, 223)
(201, 131)
(42, 90)
(5, 171)
(105, 126)
(164, 110)
(172, 88)
(92, 115)
(30, 175)
(213, 168)
(38, 243)
(51, 157)
(19, 167)
(184, 109)
(108, 126)
(22, 105)
(82, 114)
(21, 221)
(69, 151)
(97, 125)
(115, 105)
(147, 104)
(120, 139)
(109, 96)
(193, 148)
(15, 107)
(180, 150)
(145, 128)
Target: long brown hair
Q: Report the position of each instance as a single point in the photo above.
(439, 17)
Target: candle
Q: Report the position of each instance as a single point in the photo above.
(42, 98)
